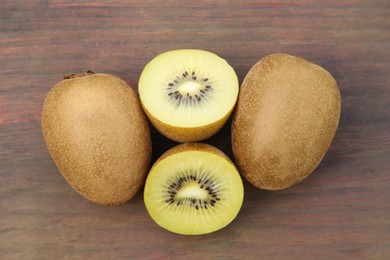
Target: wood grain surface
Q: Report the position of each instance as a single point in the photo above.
(341, 211)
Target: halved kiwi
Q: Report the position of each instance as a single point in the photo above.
(188, 94)
(193, 189)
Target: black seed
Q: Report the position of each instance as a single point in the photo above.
(206, 89)
(172, 186)
(206, 79)
(205, 202)
(170, 94)
(178, 203)
(171, 84)
(193, 201)
(184, 75)
(176, 81)
(197, 207)
(176, 92)
(202, 186)
(198, 99)
(193, 73)
(208, 86)
(212, 204)
(214, 195)
(177, 96)
(206, 182)
(194, 178)
(196, 96)
(200, 180)
(205, 206)
(168, 200)
(172, 201)
(207, 188)
(194, 78)
(210, 192)
(212, 201)
(202, 91)
(217, 199)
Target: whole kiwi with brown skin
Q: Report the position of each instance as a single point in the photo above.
(98, 136)
(287, 114)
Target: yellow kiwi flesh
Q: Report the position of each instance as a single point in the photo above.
(193, 189)
(286, 117)
(98, 136)
(188, 94)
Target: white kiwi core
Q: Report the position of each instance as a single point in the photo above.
(190, 87)
(192, 191)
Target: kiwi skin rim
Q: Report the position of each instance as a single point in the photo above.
(201, 147)
(188, 134)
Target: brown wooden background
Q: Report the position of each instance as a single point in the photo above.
(341, 211)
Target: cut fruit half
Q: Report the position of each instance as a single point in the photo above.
(188, 94)
(193, 189)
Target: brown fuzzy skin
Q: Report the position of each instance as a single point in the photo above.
(98, 136)
(202, 147)
(189, 134)
(286, 117)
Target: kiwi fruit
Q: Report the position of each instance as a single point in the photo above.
(98, 136)
(188, 94)
(287, 114)
(193, 189)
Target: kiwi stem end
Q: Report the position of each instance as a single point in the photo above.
(72, 76)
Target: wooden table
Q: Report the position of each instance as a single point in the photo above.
(341, 211)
